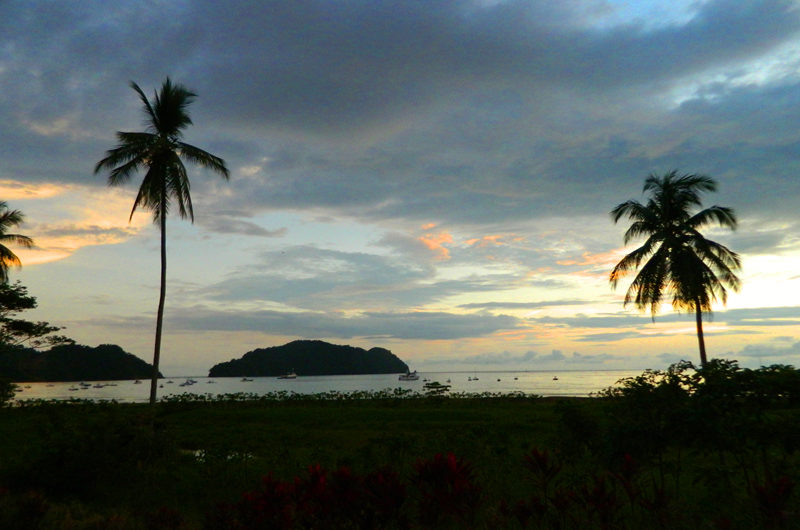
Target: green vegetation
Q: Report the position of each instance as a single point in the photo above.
(10, 219)
(72, 362)
(310, 357)
(678, 260)
(160, 152)
(662, 450)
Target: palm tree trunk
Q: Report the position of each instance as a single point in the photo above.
(162, 296)
(700, 340)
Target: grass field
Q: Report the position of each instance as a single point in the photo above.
(657, 455)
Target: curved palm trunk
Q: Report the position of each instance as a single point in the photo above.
(162, 296)
(701, 342)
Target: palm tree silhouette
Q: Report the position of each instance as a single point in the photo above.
(159, 152)
(678, 260)
(10, 219)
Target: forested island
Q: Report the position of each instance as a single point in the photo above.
(72, 362)
(310, 357)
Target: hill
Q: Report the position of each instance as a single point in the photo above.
(310, 357)
(72, 362)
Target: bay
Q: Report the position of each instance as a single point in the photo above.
(577, 383)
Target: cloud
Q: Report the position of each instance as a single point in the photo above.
(610, 337)
(318, 325)
(476, 144)
(225, 224)
(757, 316)
(771, 350)
(523, 305)
(436, 244)
(460, 111)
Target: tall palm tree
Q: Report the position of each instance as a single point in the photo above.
(159, 152)
(678, 261)
(9, 219)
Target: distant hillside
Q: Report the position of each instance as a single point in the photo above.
(72, 362)
(310, 357)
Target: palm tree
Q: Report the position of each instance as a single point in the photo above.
(9, 219)
(678, 260)
(159, 152)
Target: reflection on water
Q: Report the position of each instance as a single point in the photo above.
(550, 383)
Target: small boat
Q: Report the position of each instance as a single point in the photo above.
(137, 382)
(408, 376)
(245, 380)
(435, 388)
(555, 378)
(288, 375)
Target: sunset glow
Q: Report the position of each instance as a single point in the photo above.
(440, 187)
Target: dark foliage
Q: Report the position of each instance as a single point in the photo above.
(72, 362)
(311, 357)
(15, 331)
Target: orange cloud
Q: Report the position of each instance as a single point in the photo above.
(13, 190)
(597, 264)
(494, 240)
(436, 242)
(80, 216)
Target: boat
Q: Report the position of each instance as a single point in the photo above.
(137, 382)
(245, 380)
(555, 378)
(409, 376)
(288, 375)
(435, 388)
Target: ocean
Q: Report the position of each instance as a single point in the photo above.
(543, 383)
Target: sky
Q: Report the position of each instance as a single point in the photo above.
(431, 177)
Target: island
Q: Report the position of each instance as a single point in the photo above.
(310, 357)
(72, 362)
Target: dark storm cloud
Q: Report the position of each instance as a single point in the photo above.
(324, 65)
(455, 110)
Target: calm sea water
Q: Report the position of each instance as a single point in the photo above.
(550, 383)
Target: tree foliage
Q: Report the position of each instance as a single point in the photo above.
(676, 260)
(9, 219)
(15, 331)
(160, 153)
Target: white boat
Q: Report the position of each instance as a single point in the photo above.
(288, 375)
(409, 376)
